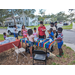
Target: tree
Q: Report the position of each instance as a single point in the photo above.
(42, 12)
(12, 13)
(53, 18)
(27, 13)
(71, 14)
(61, 16)
(3, 13)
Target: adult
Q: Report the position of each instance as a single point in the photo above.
(41, 30)
(56, 29)
(24, 31)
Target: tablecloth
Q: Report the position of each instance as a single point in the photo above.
(44, 42)
(8, 46)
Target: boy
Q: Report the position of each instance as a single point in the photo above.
(51, 34)
(60, 42)
(54, 29)
(15, 31)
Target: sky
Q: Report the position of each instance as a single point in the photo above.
(51, 11)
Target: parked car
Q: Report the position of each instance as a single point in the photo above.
(10, 29)
(65, 24)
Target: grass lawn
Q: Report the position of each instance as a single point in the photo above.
(68, 27)
(32, 27)
(2, 38)
(3, 27)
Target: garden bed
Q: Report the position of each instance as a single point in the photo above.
(7, 58)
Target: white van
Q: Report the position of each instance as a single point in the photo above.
(10, 29)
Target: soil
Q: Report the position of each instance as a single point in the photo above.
(8, 58)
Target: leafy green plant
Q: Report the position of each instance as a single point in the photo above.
(66, 56)
(69, 48)
(64, 45)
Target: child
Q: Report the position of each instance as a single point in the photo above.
(35, 34)
(60, 42)
(30, 37)
(5, 35)
(24, 31)
(15, 31)
(51, 34)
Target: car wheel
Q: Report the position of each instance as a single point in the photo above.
(20, 33)
(9, 32)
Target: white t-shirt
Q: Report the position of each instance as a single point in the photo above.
(35, 34)
(53, 28)
(16, 30)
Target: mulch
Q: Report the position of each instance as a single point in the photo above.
(8, 58)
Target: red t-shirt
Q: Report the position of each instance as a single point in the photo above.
(41, 33)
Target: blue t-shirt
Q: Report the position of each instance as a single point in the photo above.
(51, 35)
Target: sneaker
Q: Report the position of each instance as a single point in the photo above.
(58, 56)
(62, 53)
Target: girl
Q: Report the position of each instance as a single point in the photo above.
(30, 37)
(60, 42)
(24, 31)
(5, 35)
(35, 34)
(15, 31)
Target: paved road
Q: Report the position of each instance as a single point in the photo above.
(3, 30)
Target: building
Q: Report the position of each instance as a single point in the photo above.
(47, 20)
(0, 23)
(19, 20)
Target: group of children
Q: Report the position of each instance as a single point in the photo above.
(31, 35)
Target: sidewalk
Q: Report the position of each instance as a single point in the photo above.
(73, 28)
(70, 45)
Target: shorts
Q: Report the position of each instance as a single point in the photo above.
(42, 36)
(60, 44)
(15, 34)
(31, 43)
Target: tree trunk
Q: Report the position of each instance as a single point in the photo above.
(23, 17)
(14, 20)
